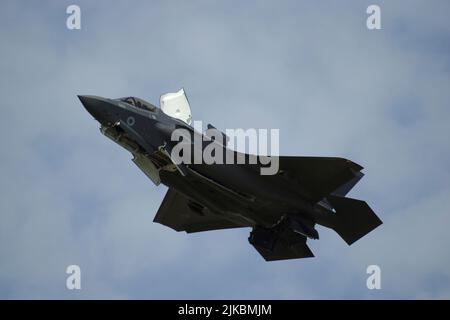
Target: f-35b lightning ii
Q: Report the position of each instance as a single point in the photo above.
(282, 209)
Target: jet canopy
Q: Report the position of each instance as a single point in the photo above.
(139, 103)
(176, 105)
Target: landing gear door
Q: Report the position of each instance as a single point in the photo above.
(176, 105)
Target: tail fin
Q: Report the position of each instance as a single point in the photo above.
(353, 218)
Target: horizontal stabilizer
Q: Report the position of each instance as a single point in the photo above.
(353, 218)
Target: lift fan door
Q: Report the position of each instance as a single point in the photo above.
(176, 105)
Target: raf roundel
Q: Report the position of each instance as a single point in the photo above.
(131, 121)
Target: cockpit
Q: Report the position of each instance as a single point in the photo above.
(139, 103)
(173, 104)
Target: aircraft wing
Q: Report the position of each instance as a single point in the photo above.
(182, 214)
(320, 176)
(315, 177)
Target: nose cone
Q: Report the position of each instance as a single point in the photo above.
(98, 107)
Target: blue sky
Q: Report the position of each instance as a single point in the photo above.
(334, 88)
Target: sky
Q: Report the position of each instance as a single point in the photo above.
(312, 69)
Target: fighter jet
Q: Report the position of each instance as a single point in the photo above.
(282, 209)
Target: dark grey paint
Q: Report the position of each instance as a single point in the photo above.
(281, 209)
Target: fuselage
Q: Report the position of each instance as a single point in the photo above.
(213, 187)
(236, 191)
